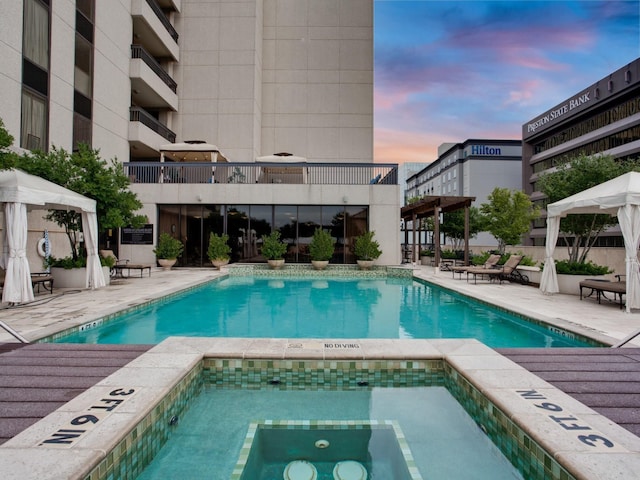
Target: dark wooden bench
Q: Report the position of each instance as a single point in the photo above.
(119, 269)
(600, 287)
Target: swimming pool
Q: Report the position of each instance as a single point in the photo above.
(299, 307)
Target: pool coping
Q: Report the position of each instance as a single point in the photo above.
(549, 416)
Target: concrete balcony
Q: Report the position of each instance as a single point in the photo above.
(153, 30)
(146, 134)
(151, 86)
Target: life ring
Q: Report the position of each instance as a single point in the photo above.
(42, 245)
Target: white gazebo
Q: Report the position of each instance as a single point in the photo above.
(19, 189)
(294, 173)
(618, 197)
(191, 151)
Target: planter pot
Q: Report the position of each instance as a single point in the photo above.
(570, 284)
(74, 277)
(365, 264)
(166, 263)
(219, 262)
(319, 264)
(276, 264)
(425, 260)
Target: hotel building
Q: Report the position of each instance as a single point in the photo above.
(253, 78)
(470, 169)
(603, 118)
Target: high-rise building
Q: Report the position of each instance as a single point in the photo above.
(252, 78)
(472, 168)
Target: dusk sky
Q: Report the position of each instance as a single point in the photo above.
(450, 70)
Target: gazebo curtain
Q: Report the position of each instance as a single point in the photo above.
(549, 279)
(95, 277)
(629, 218)
(17, 284)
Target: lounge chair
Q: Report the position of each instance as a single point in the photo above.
(121, 265)
(491, 262)
(600, 287)
(37, 279)
(501, 273)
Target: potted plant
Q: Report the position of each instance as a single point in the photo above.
(219, 251)
(366, 250)
(168, 250)
(321, 249)
(426, 256)
(273, 249)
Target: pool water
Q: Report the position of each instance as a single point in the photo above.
(322, 308)
(445, 442)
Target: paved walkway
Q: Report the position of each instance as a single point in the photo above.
(65, 308)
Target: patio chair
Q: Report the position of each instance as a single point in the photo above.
(121, 265)
(501, 273)
(491, 262)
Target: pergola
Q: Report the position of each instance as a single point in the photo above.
(432, 206)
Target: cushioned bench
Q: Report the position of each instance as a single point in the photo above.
(600, 287)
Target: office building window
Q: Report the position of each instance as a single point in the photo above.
(34, 121)
(83, 66)
(36, 33)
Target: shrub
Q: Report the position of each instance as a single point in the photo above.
(272, 247)
(218, 247)
(168, 248)
(366, 248)
(576, 268)
(321, 246)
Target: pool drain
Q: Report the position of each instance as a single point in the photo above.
(322, 444)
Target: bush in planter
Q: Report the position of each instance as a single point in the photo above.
(366, 248)
(168, 248)
(426, 253)
(218, 247)
(322, 245)
(576, 268)
(68, 262)
(272, 247)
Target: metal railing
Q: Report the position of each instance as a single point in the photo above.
(279, 173)
(138, 51)
(162, 17)
(137, 114)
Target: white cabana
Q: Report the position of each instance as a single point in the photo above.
(190, 151)
(283, 173)
(618, 197)
(19, 189)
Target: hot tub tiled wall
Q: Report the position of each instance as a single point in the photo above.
(518, 447)
(136, 451)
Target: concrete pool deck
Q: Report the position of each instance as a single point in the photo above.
(156, 372)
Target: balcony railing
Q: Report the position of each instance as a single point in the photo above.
(137, 51)
(279, 173)
(137, 114)
(162, 17)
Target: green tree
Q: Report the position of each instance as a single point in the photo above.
(507, 216)
(579, 232)
(84, 172)
(453, 226)
(7, 157)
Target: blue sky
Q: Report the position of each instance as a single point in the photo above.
(450, 70)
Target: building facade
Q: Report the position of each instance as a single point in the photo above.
(604, 118)
(254, 78)
(471, 169)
